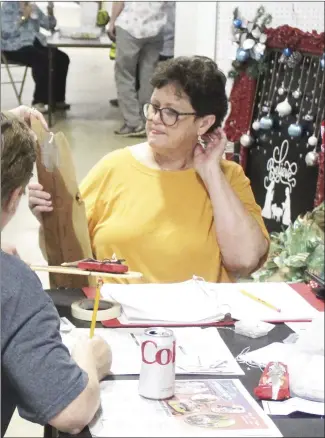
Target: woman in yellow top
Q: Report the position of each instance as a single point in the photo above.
(172, 206)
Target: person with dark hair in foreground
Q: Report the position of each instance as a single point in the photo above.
(172, 206)
(38, 375)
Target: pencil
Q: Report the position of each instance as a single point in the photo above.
(253, 297)
(95, 310)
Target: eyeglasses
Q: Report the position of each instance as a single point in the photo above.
(168, 116)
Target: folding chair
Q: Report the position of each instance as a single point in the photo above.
(17, 90)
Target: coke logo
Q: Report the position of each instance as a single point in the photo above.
(151, 354)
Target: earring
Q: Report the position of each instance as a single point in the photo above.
(202, 143)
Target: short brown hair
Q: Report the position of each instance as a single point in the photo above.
(18, 155)
(200, 79)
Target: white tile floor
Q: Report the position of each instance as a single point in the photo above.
(89, 127)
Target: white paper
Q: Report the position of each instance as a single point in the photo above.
(298, 327)
(199, 351)
(295, 404)
(225, 402)
(275, 352)
(196, 301)
(171, 303)
(281, 295)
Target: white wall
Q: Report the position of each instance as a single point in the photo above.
(204, 28)
(195, 28)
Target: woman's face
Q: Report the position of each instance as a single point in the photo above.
(184, 133)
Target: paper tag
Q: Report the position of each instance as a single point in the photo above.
(65, 325)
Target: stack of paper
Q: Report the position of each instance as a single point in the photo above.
(199, 351)
(200, 302)
(164, 303)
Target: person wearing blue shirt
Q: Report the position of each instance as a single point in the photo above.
(22, 42)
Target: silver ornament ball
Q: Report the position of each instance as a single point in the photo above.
(256, 125)
(312, 141)
(311, 158)
(281, 91)
(296, 94)
(246, 140)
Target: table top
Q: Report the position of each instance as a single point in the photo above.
(294, 425)
(56, 41)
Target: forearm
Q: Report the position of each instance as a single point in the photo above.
(83, 409)
(117, 8)
(240, 239)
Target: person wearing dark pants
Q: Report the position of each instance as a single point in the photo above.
(22, 42)
(137, 28)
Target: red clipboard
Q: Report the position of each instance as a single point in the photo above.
(302, 289)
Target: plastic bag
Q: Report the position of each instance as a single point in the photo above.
(306, 370)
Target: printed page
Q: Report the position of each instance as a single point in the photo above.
(198, 351)
(200, 408)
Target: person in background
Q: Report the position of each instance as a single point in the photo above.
(172, 206)
(137, 28)
(168, 44)
(169, 33)
(38, 375)
(22, 42)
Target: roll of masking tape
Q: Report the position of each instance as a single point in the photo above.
(107, 310)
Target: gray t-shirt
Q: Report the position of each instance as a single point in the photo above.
(37, 373)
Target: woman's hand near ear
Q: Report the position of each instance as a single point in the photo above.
(206, 160)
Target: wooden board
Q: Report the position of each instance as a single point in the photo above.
(66, 235)
(77, 272)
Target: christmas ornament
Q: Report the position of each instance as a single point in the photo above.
(246, 140)
(310, 115)
(287, 52)
(312, 141)
(241, 55)
(322, 63)
(283, 108)
(295, 130)
(248, 44)
(266, 122)
(251, 44)
(312, 158)
(256, 125)
(297, 93)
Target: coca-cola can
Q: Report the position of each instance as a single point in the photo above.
(157, 375)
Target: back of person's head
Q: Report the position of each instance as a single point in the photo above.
(18, 155)
(200, 79)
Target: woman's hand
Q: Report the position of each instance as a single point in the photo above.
(39, 201)
(26, 113)
(112, 32)
(206, 160)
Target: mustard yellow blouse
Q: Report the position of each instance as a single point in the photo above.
(160, 222)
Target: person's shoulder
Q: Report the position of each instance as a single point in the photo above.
(231, 169)
(115, 158)
(17, 278)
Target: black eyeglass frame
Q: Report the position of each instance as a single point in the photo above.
(177, 113)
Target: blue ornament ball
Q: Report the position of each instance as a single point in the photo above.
(266, 123)
(237, 23)
(241, 55)
(287, 52)
(322, 64)
(295, 130)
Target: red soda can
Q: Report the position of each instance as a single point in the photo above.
(157, 375)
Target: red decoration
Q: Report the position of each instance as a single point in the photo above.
(319, 198)
(243, 90)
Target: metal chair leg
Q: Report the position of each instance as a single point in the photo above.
(22, 84)
(13, 83)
